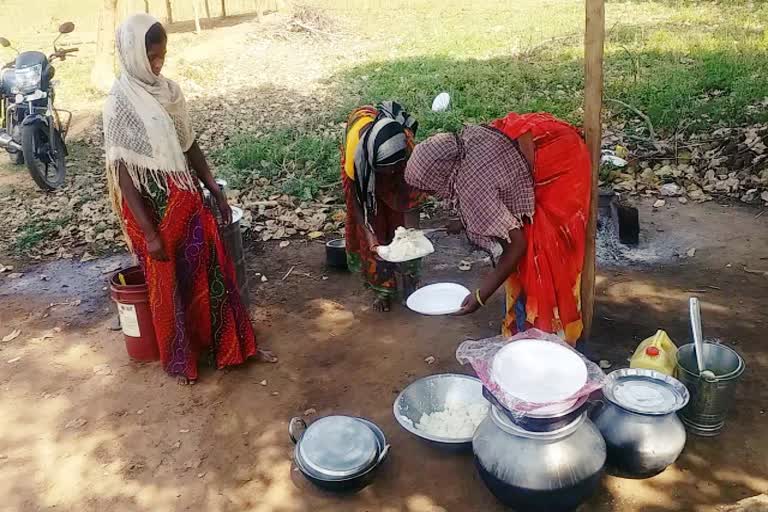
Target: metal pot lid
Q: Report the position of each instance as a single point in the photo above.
(338, 447)
(645, 391)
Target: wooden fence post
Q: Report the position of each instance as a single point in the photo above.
(169, 12)
(594, 37)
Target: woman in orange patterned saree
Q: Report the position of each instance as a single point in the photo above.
(377, 143)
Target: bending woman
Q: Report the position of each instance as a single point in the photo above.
(377, 144)
(154, 169)
(522, 189)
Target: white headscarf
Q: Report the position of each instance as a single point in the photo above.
(146, 124)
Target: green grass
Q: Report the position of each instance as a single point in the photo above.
(35, 232)
(288, 161)
(687, 65)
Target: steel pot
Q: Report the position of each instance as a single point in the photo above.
(534, 422)
(336, 254)
(638, 421)
(338, 453)
(539, 471)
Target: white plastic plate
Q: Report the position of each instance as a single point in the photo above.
(540, 372)
(437, 299)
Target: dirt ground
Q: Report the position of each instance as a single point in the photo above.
(84, 428)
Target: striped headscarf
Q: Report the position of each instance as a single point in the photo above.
(388, 141)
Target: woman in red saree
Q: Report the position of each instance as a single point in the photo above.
(522, 189)
(154, 169)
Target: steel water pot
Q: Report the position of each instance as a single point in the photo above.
(539, 471)
(638, 421)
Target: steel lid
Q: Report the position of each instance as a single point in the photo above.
(645, 391)
(338, 447)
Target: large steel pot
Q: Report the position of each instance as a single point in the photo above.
(539, 471)
(338, 453)
(639, 423)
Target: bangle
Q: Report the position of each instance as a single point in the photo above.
(477, 296)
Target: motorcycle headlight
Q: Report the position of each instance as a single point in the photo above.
(28, 79)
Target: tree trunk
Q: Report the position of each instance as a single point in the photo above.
(207, 10)
(168, 12)
(593, 103)
(146, 6)
(259, 13)
(223, 8)
(103, 71)
(197, 17)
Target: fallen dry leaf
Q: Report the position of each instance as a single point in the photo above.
(691, 252)
(430, 360)
(102, 369)
(76, 423)
(12, 336)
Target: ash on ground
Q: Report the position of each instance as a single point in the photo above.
(653, 247)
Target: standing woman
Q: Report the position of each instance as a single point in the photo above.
(154, 166)
(377, 144)
(522, 190)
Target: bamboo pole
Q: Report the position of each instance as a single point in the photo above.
(594, 37)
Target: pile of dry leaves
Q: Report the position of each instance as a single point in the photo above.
(726, 163)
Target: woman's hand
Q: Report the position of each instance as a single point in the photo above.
(155, 247)
(224, 209)
(469, 306)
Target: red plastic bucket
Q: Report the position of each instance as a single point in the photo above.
(132, 300)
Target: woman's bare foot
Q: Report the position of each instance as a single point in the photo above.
(382, 305)
(265, 356)
(183, 381)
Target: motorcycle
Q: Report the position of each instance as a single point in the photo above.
(32, 130)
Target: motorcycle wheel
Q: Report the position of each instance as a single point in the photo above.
(44, 157)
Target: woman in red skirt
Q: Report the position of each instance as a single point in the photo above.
(521, 186)
(154, 170)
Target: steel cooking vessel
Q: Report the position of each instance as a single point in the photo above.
(539, 471)
(338, 453)
(638, 421)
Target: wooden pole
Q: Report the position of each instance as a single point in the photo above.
(594, 37)
(169, 12)
(197, 16)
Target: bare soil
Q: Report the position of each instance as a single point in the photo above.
(86, 429)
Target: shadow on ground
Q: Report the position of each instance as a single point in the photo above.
(86, 429)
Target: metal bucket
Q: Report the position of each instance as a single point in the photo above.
(233, 240)
(707, 409)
